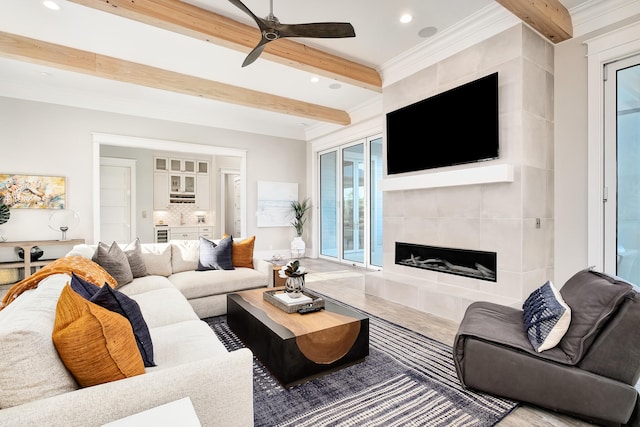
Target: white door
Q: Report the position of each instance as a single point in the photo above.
(117, 202)
(230, 200)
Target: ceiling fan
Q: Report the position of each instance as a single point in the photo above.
(272, 29)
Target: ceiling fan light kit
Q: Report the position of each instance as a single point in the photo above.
(272, 29)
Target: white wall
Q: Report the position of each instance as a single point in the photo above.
(578, 240)
(570, 157)
(46, 139)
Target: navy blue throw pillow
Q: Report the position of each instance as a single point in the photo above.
(215, 257)
(546, 317)
(116, 301)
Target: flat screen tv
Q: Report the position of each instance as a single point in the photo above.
(452, 128)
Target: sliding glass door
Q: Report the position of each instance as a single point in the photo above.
(622, 171)
(351, 203)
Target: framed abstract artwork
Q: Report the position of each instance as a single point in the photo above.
(33, 191)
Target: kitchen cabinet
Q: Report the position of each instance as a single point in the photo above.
(164, 234)
(160, 190)
(184, 233)
(203, 166)
(181, 181)
(182, 165)
(160, 164)
(206, 231)
(203, 196)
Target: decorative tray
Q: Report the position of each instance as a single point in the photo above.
(278, 298)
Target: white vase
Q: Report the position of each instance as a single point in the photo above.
(298, 247)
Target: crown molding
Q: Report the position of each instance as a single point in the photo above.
(486, 23)
(596, 14)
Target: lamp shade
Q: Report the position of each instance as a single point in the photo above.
(63, 221)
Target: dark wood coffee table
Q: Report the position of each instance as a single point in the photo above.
(298, 347)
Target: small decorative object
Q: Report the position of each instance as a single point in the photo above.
(36, 253)
(294, 273)
(298, 247)
(63, 221)
(5, 214)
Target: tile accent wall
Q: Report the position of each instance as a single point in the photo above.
(189, 214)
(496, 217)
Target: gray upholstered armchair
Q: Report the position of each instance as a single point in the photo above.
(590, 373)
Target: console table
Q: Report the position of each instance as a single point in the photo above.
(26, 246)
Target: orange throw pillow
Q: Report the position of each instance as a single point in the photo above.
(242, 252)
(96, 345)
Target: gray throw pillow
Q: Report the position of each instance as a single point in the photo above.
(215, 257)
(114, 261)
(133, 251)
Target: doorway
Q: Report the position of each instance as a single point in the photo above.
(117, 200)
(230, 199)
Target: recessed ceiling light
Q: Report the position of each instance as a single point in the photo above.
(427, 32)
(335, 86)
(315, 79)
(44, 74)
(50, 4)
(406, 18)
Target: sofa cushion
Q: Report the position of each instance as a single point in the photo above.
(184, 255)
(215, 256)
(242, 252)
(30, 367)
(146, 284)
(113, 259)
(157, 258)
(118, 302)
(133, 251)
(546, 317)
(198, 284)
(164, 306)
(95, 344)
(184, 342)
(593, 298)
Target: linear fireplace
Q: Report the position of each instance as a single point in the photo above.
(462, 262)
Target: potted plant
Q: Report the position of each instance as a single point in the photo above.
(299, 209)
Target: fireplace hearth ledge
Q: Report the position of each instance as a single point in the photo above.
(447, 301)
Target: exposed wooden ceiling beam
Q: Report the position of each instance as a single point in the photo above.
(35, 51)
(549, 17)
(187, 19)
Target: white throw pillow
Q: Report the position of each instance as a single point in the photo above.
(157, 258)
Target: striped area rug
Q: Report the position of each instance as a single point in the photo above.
(407, 380)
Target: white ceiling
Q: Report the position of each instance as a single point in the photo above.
(380, 41)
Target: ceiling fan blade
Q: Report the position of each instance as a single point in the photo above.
(245, 9)
(256, 52)
(317, 30)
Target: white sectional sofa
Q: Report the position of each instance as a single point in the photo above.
(37, 389)
(177, 260)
